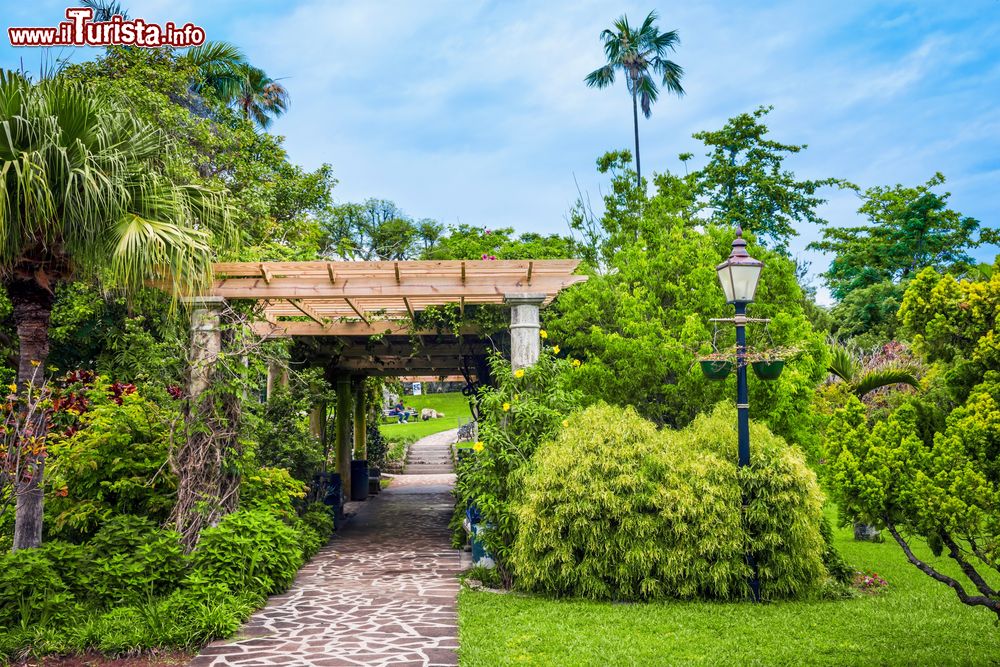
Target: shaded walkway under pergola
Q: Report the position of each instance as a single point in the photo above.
(358, 319)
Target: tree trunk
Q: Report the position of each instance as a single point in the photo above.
(635, 123)
(32, 310)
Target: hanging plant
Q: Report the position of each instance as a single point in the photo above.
(768, 364)
(718, 365)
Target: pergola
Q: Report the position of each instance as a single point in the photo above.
(333, 308)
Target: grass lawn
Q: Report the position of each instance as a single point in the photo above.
(916, 622)
(453, 405)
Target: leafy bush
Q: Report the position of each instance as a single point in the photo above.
(250, 550)
(273, 490)
(155, 567)
(614, 509)
(31, 590)
(113, 464)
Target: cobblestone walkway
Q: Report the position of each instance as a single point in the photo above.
(383, 592)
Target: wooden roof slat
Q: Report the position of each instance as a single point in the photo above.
(356, 311)
(308, 311)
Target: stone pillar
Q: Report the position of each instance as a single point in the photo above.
(277, 375)
(525, 343)
(360, 422)
(317, 420)
(206, 341)
(344, 445)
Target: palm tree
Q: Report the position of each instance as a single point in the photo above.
(847, 366)
(83, 197)
(224, 69)
(261, 98)
(639, 54)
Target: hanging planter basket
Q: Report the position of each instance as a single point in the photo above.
(716, 369)
(768, 370)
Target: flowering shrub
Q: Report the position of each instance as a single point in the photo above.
(869, 582)
(526, 408)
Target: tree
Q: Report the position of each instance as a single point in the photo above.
(224, 70)
(640, 54)
(939, 484)
(908, 229)
(373, 230)
(84, 197)
(468, 242)
(745, 182)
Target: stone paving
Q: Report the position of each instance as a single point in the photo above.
(383, 592)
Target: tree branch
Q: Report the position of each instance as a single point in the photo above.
(971, 600)
(967, 568)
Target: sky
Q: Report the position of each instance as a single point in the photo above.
(476, 112)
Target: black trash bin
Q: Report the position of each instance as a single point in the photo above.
(359, 480)
(374, 481)
(334, 498)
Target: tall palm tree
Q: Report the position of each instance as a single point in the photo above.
(224, 69)
(641, 55)
(82, 196)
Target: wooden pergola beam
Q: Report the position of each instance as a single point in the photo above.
(308, 311)
(356, 311)
(444, 290)
(282, 329)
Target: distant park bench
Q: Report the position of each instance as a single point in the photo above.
(389, 413)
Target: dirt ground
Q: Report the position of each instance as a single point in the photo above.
(159, 660)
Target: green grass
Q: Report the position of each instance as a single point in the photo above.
(453, 405)
(916, 622)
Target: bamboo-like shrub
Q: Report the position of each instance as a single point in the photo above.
(614, 509)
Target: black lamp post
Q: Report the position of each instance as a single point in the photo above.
(739, 276)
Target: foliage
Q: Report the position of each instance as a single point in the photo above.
(469, 242)
(31, 590)
(115, 463)
(250, 550)
(745, 182)
(282, 435)
(273, 490)
(908, 229)
(947, 491)
(865, 375)
(867, 316)
(376, 230)
(524, 409)
(614, 509)
(639, 336)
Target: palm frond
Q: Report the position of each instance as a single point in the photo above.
(842, 363)
(601, 77)
(878, 378)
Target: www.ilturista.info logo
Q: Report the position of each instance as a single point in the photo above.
(79, 30)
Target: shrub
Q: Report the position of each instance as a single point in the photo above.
(273, 490)
(250, 550)
(614, 509)
(31, 591)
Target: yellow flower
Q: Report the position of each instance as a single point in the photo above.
(555, 350)
(517, 396)
(576, 363)
(542, 333)
(12, 387)
(519, 373)
(478, 447)
(565, 423)
(36, 363)
(506, 407)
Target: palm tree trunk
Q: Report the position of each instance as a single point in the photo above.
(635, 123)
(32, 309)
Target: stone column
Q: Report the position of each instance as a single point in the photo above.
(317, 420)
(206, 341)
(525, 343)
(277, 375)
(344, 445)
(360, 421)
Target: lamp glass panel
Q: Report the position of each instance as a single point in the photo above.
(744, 282)
(726, 280)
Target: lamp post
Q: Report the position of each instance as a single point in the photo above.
(739, 276)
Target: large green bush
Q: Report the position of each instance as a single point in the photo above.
(250, 550)
(614, 509)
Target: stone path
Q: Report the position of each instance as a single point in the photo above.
(383, 592)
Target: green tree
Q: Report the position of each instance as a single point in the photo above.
(468, 242)
(373, 230)
(83, 198)
(640, 325)
(745, 182)
(641, 55)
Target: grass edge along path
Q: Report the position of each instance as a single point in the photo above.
(917, 621)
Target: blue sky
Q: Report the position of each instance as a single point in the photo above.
(476, 112)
